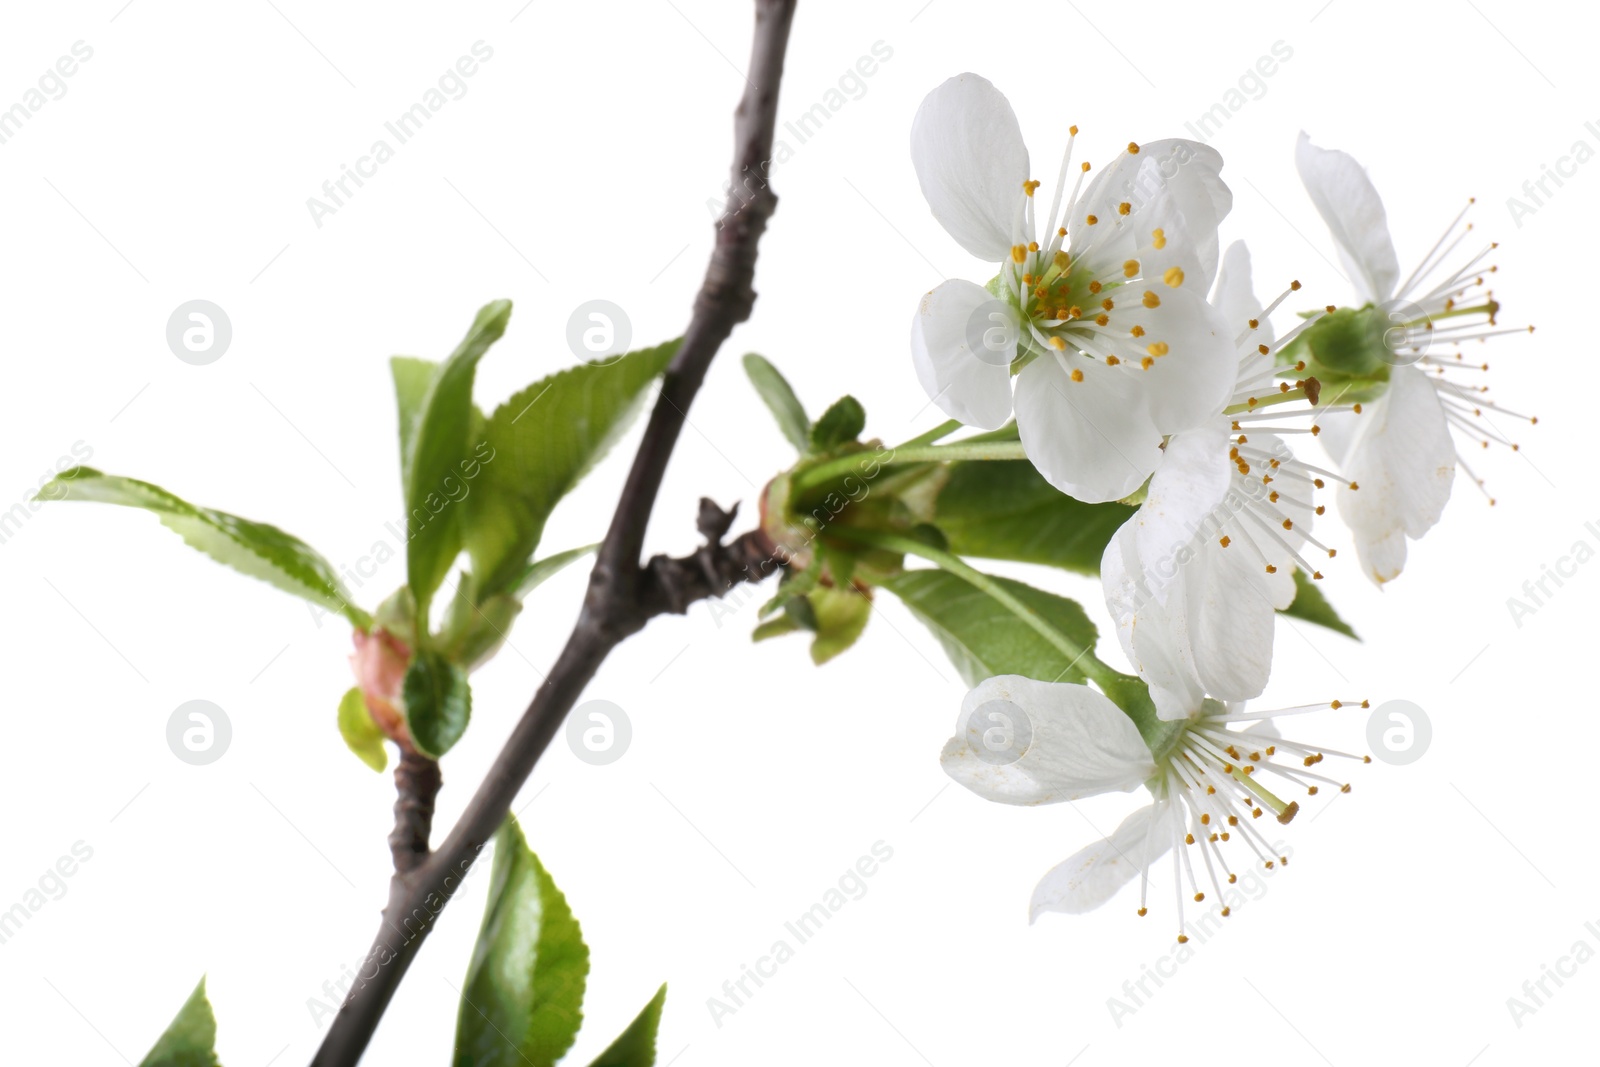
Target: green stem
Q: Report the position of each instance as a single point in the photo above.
(944, 429)
(822, 473)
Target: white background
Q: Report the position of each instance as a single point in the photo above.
(578, 166)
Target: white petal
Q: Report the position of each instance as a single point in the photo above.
(1195, 379)
(1094, 439)
(1404, 461)
(1185, 173)
(1235, 300)
(1348, 203)
(1078, 743)
(1230, 619)
(1154, 635)
(976, 391)
(1184, 503)
(970, 160)
(1092, 876)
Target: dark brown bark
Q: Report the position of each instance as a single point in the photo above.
(622, 595)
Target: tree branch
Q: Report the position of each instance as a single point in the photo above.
(416, 785)
(622, 596)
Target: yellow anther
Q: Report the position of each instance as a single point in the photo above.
(1133, 149)
(1018, 254)
(1173, 277)
(1124, 207)
(1130, 268)
(1102, 319)
(1090, 219)
(1058, 344)
(1112, 361)
(1029, 186)
(1077, 375)
(1157, 348)
(1151, 300)
(1147, 362)
(1095, 287)
(1158, 237)
(1137, 331)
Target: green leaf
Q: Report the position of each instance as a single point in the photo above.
(543, 570)
(438, 459)
(360, 733)
(982, 637)
(537, 446)
(252, 548)
(1310, 605)
(1004, 509)
(841, 615)
(841, 423)
(636, 1047)
(438, 702)
(776, 627)
(412, 377)
(780, 400)
(190, 1041)
(522, 1000)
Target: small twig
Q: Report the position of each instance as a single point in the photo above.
(622, 595)
(416, 785)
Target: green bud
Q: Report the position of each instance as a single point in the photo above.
(1348, 352)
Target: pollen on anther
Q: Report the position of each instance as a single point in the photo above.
(1029, 186)
(1112, 361)
(1288, 524)
(1198, 897)
(1157, 348)
(1108, 303)
(1077, 375)
(1183, 939)
(1294, 287)
(1058, 344)
(1090, 219)
(1147, 362)
(1137, 331)
(1095, 287)
(1062, 260)
(1143, 912)
(1133, 149)
(1173, 277)
(1226, 541)
(1188, 839)
(1033, 246)
(1124, 207)
(1130, 268)
(1158, 238)
(1018, 254)
(1151, 300)
(1271, 569)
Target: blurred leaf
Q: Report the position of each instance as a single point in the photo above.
(438, 702)
(438, 452)
(841, 615)
(360, 733)
(522, 1001)
(190, 1041)
(1004, 509)
(543, 570)
(780, 400)
(983, 637)
(541, 442)
(841, 423)
(776, 627)
(412, 377)
(1310, 605)
(636, 1047)
(252, 548)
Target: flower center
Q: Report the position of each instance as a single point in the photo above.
(1223, 779)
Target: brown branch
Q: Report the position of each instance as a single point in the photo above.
(622, 595)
